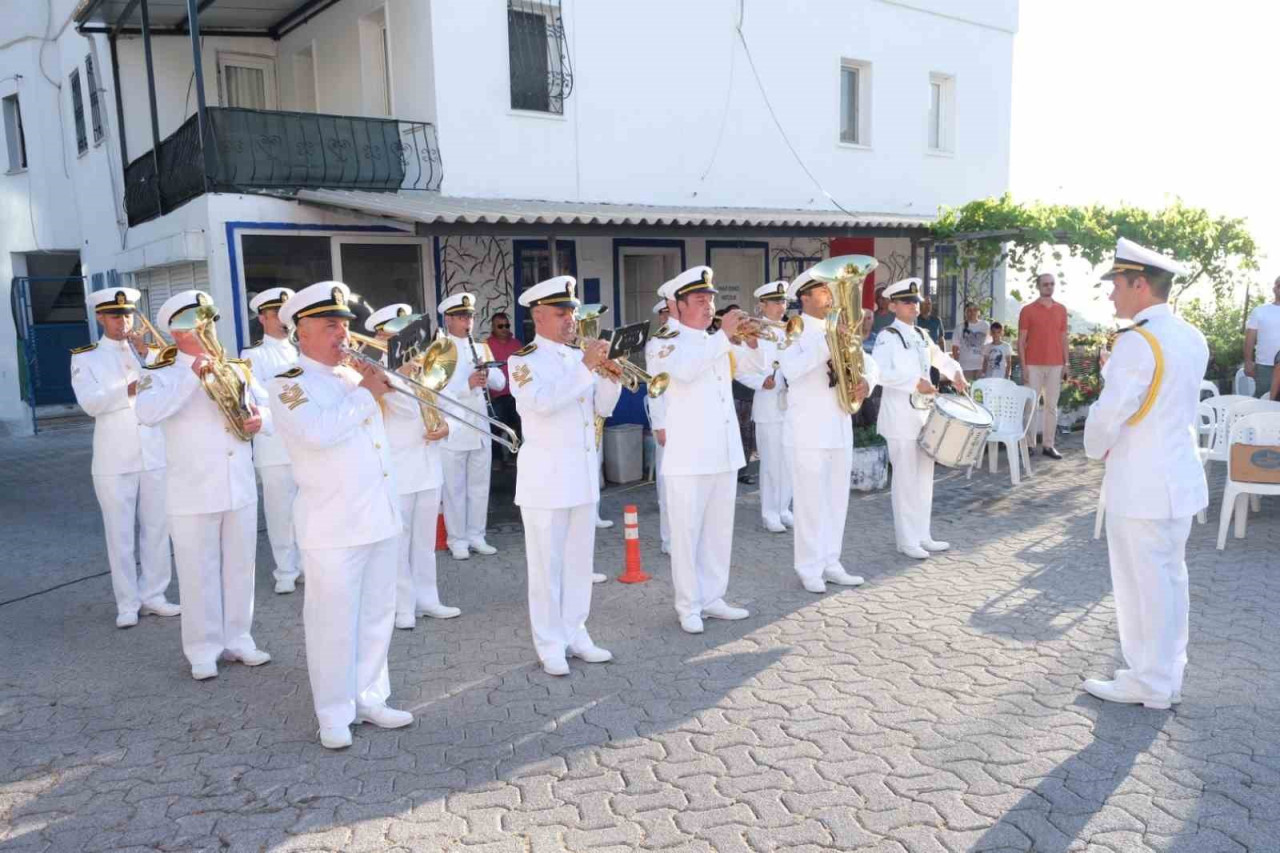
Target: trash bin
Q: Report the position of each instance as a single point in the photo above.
(624, 453)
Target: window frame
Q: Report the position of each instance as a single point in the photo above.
(862, 119)
(561, 67)
(95, 102)
(265, 64)
(375, 62)
(945, 119)
(77, 112)
(14, 133)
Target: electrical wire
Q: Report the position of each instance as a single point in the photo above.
(728, 98)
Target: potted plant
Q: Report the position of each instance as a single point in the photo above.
(870, 460)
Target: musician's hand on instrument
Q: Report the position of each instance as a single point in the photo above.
(595, 354)
(438, 434)
(732, 323)
(373, 380)
(769, 383)
(139, 345)
(478, 378)
(200, 365)
(924, 386)
(660, 436)
(253, 423)
(133, 388)
(960, 383)
(862, 391)
(407, 369)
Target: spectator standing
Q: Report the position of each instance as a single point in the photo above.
(997, 356)
(971, 335)
(931, 323)
(1262, 342)
(1042, 351)
(503, 344)
(883, 316)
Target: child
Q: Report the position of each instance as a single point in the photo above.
(997, 356)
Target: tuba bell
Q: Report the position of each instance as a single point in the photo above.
(844, 275)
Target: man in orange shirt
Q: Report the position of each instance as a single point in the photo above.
(1042, 351)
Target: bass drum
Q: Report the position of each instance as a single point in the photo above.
(955, 432)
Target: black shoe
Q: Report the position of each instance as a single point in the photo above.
(1052, 453)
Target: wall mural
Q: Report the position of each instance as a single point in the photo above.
(798, 248)
(894, 266)
(479, 265)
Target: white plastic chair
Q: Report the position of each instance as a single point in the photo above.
(1262, 428)
(1221, 405)
(1210, 386)
(1013, 410)
(1239, 410)
(1244, 385)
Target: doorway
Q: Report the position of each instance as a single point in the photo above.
(640, 268)
(532, 265)
(740, 267)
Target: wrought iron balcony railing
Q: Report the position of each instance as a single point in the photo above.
(269, 150)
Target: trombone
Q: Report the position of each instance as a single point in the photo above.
(434, 367)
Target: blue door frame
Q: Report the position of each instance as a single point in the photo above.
(46, 361)
(518, 248)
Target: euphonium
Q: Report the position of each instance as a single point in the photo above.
(844, 275)
(223, 380)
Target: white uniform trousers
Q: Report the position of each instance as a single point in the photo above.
(1149, 576)
(125, 498)
(416, 566)
(701, 508)
(348, 617)
(911, 492)
(278, 492)
(216, 556)
(664, 523)
(775, 473)
(560, 546)
(466, 493)
(821, 507)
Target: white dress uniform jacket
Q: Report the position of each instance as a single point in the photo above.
(904, 359)
(419, 475)
(463, 438)
(272, 356)
(558, 399)
(415, 461)
(656, 407)
(814, 417)
(100, 378)
(268, 358)
(1153, 469)
(766, 403)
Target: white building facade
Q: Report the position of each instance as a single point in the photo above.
(413, 148)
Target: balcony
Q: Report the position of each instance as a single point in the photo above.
(248, 151)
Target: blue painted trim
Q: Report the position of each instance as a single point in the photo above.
(743, 244)
(636, 243)
(804, 264)
(234, 226)
(520, 246)
(435, 260)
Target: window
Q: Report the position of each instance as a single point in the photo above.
(77, 109)
(375, 63)
(855, 102)
(14, 137)
(95, 106)
(941, 113)
(304, 80)
(247, 81)
(538, 55)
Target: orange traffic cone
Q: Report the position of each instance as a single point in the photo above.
(633, 573)
(442, 536)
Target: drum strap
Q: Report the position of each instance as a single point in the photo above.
(1157, 378)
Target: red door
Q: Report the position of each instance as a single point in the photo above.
(858, 246)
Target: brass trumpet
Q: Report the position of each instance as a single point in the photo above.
(762, 328)
(620, 369)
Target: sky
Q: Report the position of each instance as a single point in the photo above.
(1141, 102)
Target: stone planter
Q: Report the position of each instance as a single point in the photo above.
(1068, 420)
(870, 468)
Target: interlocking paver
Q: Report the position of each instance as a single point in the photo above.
(937, 708)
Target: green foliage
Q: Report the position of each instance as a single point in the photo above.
(1222, 324)
(866, 436)
(1079, 391)
(1219, 249)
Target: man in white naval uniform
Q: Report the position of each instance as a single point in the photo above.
(1144, 427)
(128, 458)
(468, 452)
(415, 457)
(904, 353)
(657, 409)
(559, 395)
(274, 354)
(704, 446)
(767, 411)
(347, 515)
(210, 493)
(819, 441)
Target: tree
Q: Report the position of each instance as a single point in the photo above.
(992, 231)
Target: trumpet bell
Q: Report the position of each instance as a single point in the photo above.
(658, 384)
(438, 362)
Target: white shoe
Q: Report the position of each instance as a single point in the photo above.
(439, 611)
(591, 654)
(603, 524)
(126, 620)
(335, 738)
(384, 717)
(460, 552)
(202, 671)
(787, 519)
(405, 622)
(253, 657)
(1110, 691)
(935, 545)
(915, 551)
(774, 526)
(720, 610)
(816, 585)
(555, 666)
(596, 577)
(839, 576)
(285, 587)
(691, 624)
(482, 547)
(160, 608)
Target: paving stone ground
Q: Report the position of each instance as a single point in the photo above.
(937, 708)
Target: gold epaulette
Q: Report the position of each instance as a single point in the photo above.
(86, 348)
(290, 373)
(167, 356)
(525, 350)
(665, 334)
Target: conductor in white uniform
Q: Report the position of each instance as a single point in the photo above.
(269, 356)
(210, 492)
(904, 353)
(768, 411)
(656, 407)
(468, 450)
(347, 515)
(819, 439)
(704, 446)
(128, 458)
(559, 395)
(1144, 427)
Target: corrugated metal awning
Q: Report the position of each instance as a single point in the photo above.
(437, 214)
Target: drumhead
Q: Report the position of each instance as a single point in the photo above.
(963, 410)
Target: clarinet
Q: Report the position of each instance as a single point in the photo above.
(475, 358)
